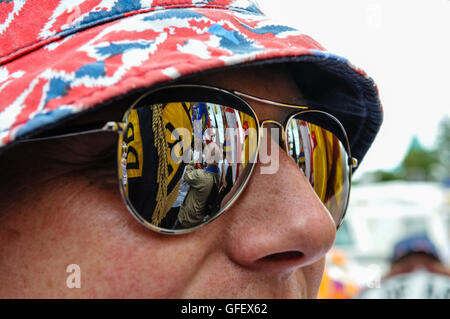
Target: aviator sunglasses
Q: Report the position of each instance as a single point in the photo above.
(186, 152)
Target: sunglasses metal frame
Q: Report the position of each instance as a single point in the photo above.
(240, 96)
(119, 127)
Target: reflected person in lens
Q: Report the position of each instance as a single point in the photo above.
(202, 183)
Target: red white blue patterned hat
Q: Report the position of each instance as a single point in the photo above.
(60, 58)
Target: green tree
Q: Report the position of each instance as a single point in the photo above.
(419, 163)
(386, 176)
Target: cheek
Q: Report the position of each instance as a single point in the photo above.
(123, 259)
(90, 226)
(312, 275)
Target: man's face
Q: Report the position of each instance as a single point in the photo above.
(61, 205)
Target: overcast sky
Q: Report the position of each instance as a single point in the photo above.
(403, 45)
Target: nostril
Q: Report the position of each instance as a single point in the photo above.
(284, 256)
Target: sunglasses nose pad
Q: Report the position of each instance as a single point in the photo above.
(275, 131)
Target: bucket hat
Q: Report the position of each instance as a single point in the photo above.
(60, 59)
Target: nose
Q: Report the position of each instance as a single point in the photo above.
(278, 224)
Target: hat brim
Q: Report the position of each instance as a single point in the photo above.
(88, 68)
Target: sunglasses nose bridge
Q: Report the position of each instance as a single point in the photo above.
(269, 124)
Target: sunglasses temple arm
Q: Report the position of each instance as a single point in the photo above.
(111, 126)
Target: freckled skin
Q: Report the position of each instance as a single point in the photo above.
(61, 205)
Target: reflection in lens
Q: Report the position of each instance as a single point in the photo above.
(182, 163)
(324, 161)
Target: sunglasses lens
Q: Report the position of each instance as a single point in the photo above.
(323, 159)
(183, 163)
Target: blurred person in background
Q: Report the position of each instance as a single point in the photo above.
(417, 271)
(416, 253)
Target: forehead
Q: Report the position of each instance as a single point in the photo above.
(271, 81)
